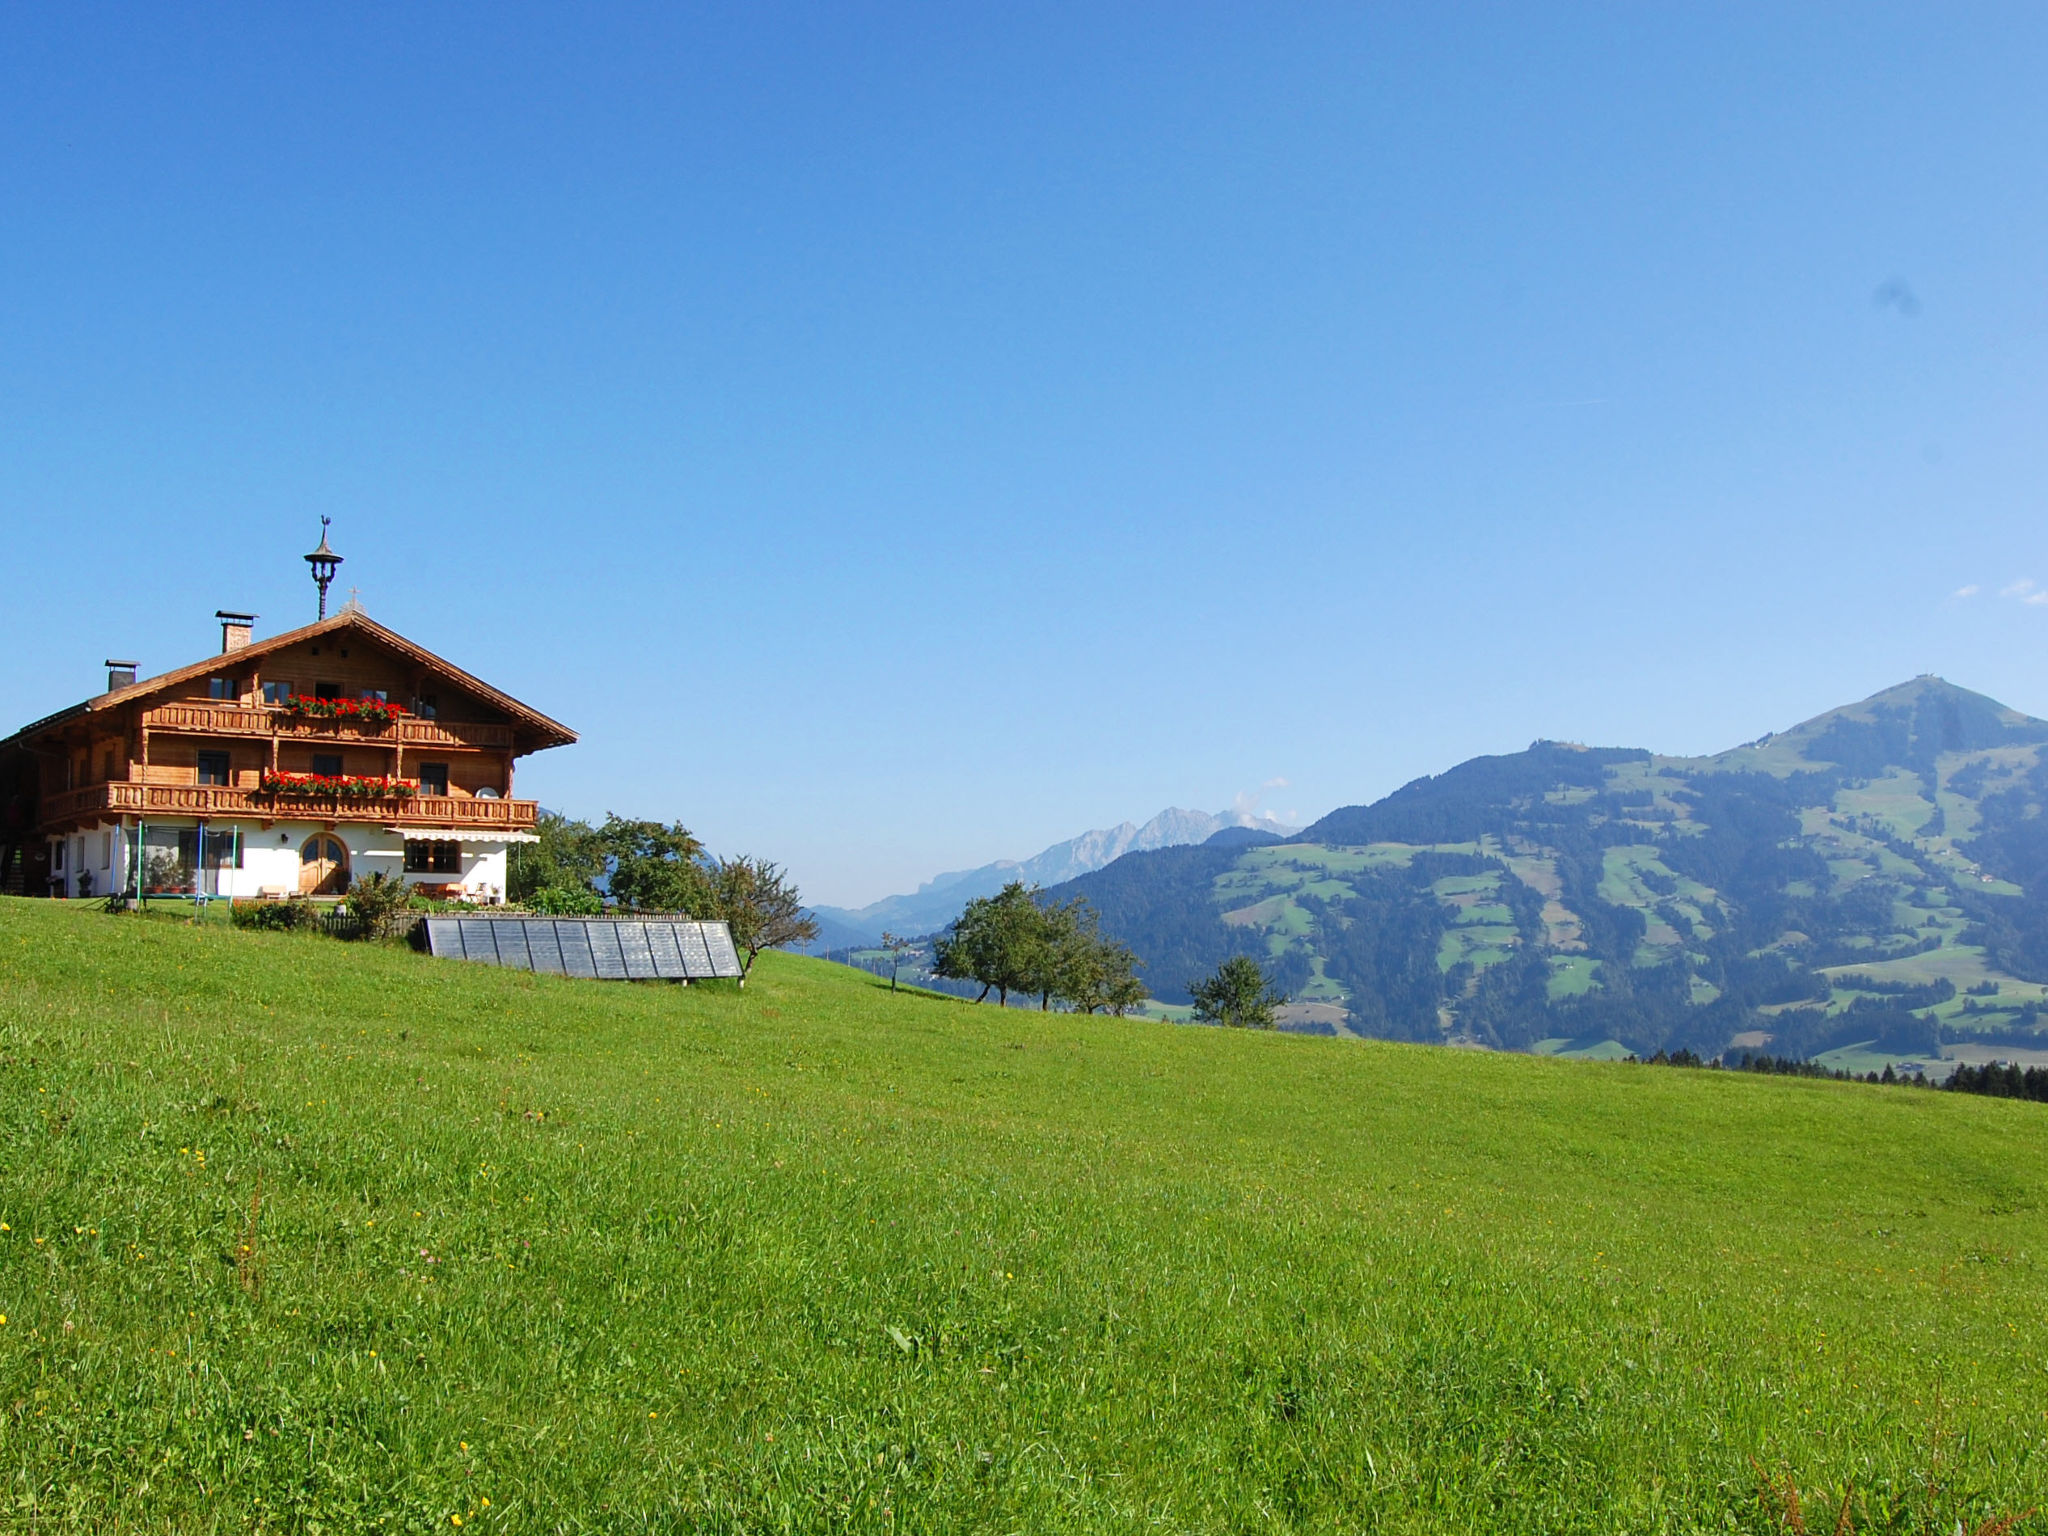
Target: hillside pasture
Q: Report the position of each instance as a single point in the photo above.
(298, 1236)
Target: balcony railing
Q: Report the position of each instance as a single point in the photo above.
(211, 800)
(246, 720)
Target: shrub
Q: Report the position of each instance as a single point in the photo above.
(275, 916)
(563, 901)
(378, 902)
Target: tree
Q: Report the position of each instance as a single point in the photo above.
(760, 905)
(1080, 967)
(568, 861)
(1237, 996)
(1014, 941)
(898, 948)
(995, 941)
(1058, 950)
(1098, 973)
(655, 867)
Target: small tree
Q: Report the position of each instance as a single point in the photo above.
(1238, 996)
(898, 949)
(760, 905)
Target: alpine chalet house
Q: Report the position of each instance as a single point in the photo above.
(280, 767)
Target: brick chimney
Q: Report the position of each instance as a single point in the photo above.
(119, 673)
(235, 629)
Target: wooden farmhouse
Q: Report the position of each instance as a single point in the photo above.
(280, 767)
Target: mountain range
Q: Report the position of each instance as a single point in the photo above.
(1872, 883)
(939, 900)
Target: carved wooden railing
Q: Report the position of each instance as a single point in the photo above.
(225, 800)
(203, 719)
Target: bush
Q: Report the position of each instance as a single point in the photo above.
(565, 901)
(378, 901)
(274, 916)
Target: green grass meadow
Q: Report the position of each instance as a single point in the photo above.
(540, 1255)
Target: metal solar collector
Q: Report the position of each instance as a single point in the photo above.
(642, 949)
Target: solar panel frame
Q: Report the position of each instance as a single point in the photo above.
(606, 949)
(479, 941)
(634, 950)
(696, 953)
(577, 959)
(512, 947)
(725, 957)
(668, 955)
(544, 946)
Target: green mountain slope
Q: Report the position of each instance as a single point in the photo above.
(300, 1236)
(1875, 879)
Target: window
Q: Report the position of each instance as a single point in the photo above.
(106, 850)
(433, 858)
(277, 693)
(327, 690)
(377, 694)
(213, 768)
(223, 689)
(427, 706)
(57, 857)
(327, 764)
(433, 778)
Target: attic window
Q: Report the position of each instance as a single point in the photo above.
(222, 689)
(277, 693)
(427, 706)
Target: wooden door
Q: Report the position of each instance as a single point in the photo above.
(323, 866)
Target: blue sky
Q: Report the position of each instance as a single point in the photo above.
(898, 438)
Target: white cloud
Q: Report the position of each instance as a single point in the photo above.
(1970, 591)
(2018, 588)
(2038, 599)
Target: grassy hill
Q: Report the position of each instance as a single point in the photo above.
(1873, 882)
(303, 1236)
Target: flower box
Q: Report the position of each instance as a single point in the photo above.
(330, 786)
(375, 712)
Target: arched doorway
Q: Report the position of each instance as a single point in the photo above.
(323, 866)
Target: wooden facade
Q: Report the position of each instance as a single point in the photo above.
(223, 741)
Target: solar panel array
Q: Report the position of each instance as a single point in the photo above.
(605, 949)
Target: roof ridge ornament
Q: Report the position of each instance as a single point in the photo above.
(323, 562)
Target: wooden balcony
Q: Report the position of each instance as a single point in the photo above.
(104, 801)
(198, 719)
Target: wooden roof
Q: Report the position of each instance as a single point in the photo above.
(544, 731)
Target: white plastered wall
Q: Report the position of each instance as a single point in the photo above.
(270, 857)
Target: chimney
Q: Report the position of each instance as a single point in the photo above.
(119, 674)
(234, 630)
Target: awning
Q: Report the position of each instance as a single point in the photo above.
(469, 837)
